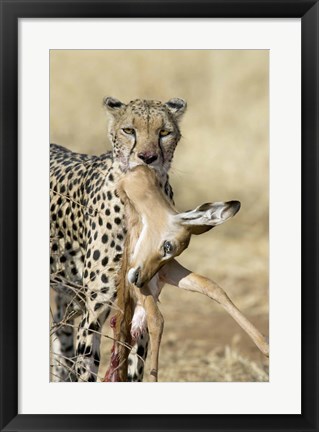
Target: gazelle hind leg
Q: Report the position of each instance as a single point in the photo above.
(118, 368)
(140, 339)
(112, 372)
(155, 324)
(175, 274)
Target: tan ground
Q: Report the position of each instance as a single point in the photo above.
(223, 155)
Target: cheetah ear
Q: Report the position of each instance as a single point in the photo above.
(177, 107)
(113, 105)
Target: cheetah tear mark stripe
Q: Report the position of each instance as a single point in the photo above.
(133, 146)
(161, 149)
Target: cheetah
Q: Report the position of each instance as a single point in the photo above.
(88, 229)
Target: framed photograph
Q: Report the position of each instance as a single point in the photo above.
(224, 96)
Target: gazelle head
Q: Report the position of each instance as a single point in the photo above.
(158, 233)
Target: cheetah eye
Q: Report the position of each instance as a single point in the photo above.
(164, 132)
(168, 247)
(129, 131)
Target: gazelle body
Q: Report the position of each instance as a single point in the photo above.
(157, 234)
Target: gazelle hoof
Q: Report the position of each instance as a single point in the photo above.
(154, 375)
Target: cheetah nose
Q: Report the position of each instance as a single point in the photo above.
(133, 275)
(147, 157)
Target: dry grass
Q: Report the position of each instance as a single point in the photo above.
(223, 155)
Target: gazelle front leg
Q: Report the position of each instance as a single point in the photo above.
(175, 274)
(155, 324)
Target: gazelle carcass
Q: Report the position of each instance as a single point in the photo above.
(157, 233)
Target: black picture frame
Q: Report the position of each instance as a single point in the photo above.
(11, 11)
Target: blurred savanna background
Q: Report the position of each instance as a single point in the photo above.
(223, 155)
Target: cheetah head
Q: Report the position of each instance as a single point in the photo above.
(144, 132)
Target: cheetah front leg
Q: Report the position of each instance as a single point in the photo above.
(89, 339)
(62, 348)
(137, 358)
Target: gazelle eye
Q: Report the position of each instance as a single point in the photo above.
(168, 248)
(128, 131)
(164, 132)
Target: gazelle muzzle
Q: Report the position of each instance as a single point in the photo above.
(133, 276)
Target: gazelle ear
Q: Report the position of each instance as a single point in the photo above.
(113, 105)
(177, 107)
(208, 215)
